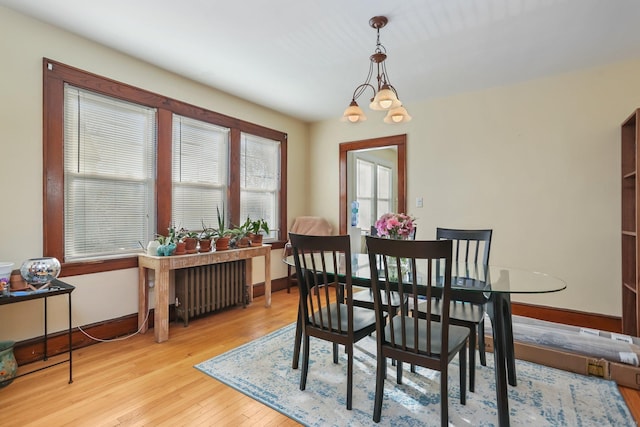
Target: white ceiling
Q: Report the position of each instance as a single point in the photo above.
(305, 58)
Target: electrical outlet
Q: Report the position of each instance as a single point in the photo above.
(419, 202)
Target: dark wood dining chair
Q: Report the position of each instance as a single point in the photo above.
(326, 306)
(405, 338)
(466, 308)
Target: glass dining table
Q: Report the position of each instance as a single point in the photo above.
(497, 284)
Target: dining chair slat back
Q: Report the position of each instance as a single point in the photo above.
(466, 308)
(326, 308)
(414, 269)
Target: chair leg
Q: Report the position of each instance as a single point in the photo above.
(381, 374)
(444, 396)
(481, 344)
(349, 375)
(305, 362)
(463, 375)
(335, 353)
(472, 358)
(297, 343)
(289, 280)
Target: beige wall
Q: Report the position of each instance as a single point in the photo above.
(538, 162)
(23, 44)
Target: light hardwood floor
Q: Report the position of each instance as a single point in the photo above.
(137, 382)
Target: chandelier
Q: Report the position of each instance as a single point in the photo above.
(385, 96)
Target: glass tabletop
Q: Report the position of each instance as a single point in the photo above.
(468, 276)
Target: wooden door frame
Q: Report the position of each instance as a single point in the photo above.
(400, 142)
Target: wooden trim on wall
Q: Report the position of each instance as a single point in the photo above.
(568, 317)
(55, 74)
(400, 141)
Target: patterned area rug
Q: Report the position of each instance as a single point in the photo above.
(544, 396)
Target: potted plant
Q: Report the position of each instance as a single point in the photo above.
(240, 235)
(181, 246)
(205, 237)
(222, 233)
(191, 241)
(257, 229)
(167, 243)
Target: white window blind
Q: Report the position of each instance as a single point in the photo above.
(109, 164)
(385, 189)
(373, 191)
(200, 172)
(260, 180)
(365, 193)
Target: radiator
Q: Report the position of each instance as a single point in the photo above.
(208, 288)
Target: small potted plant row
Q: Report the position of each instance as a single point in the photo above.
(183, 241)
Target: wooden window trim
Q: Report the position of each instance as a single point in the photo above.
(55, 75)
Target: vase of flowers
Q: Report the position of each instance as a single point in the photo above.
(395, 225)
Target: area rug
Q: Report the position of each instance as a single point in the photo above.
(544, 396)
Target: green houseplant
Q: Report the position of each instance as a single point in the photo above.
(241, 235)
(222, 233)
(257, 229)
(190, 239)
(205, 237)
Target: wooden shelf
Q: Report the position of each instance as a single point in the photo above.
(630, 210)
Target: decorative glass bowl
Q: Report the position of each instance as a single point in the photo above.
(39, 272)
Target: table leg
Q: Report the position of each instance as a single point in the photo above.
(267, 278)
(499, 353)
(70, 342)
(143, 300)
(46, 333)
(161, 309)
(248, 272)
(508, 338)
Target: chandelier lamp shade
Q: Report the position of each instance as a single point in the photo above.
(385, 96)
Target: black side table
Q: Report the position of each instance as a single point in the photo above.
(55, 288)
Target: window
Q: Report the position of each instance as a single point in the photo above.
(374, 191)
(109, 172)
(260, 180)
(121, 164)
(384, 189)
(200, 172)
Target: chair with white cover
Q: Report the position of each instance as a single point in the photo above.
(306, 225)
(309, 225)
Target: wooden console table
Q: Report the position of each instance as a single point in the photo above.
(161, 265)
